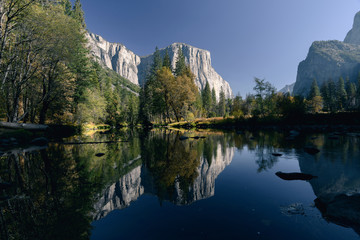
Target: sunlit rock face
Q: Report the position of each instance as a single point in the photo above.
(123, 61)
(204, 185)
(120, 194)
(199, 61)
(330, 60)
(115, 56)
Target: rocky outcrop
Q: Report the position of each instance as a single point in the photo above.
(115, 56)
(327, 60)
(353, 36)
(118, 58)
(288, 89)
(330, 60)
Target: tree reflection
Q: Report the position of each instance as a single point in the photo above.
(50, 197)
(171, 162)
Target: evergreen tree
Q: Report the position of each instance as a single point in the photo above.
(67, 7)
(180, 63)
(78, 13)
(314, 90)
(341, 95)
(206, 98)
(167, 60)
(222, 104)
(213, 103)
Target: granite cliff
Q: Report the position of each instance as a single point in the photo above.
(135, 68)
(330, 60)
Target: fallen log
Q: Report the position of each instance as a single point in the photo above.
(26, 126)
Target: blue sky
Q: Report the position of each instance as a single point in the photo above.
(246, 38)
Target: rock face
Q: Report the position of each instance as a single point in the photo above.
(117, 57)
(288, 89)
(353, 35)
(330, 60)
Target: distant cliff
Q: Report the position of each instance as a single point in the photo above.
(117, 57)
(330, 60)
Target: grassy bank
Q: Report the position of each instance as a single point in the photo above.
(321, 121)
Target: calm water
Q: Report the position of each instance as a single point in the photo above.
(156, 186)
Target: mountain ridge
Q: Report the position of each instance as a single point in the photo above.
(135, 68)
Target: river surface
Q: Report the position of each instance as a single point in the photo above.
(162, 185)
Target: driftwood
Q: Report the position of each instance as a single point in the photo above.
(26, 126)
(295, 176)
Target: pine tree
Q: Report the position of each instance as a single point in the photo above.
(213, 102)
(206, 98)
(314, 90)
(180, 63)
(222, 104)
(341, 94)
(167, 60)
(67, 7)
(78, 13)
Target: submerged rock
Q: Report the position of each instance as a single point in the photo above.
(293, 209)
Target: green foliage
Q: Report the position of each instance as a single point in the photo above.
(314, 90)
(264, 97)
(167, 60)
(207, 98)
(180, 63)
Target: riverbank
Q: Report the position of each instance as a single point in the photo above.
(324, 122)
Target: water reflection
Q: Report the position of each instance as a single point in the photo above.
(177, 171)
(338, 184)
(57, 192)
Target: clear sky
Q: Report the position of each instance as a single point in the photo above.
(246, 38)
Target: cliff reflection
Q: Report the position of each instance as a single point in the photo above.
(338, 184)
(177, 171)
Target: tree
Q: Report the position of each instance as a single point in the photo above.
(167, 60)
(180, 63)
(314, 90)
(341, 94)
(222, 104)
(315, 101)
(264, 97)
(206, 98)
(213, 108)
(78, 13)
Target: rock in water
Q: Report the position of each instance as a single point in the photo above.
(295, 176)
(311, 150)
